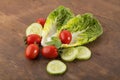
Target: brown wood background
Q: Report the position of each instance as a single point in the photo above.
(16, 15)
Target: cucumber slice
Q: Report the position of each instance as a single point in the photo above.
(83, 53)
(56, 67)
(69, 54)
(34, 28)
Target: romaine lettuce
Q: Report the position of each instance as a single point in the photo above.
(55, 20)
(84, 28)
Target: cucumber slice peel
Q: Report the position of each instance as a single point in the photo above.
(83, 53)
(69, 54)
(56, 67)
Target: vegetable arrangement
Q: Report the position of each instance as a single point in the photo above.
(61, 34)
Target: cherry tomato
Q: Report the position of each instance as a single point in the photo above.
(41, 21)
(49, 52)
(65, 36)
(32, 51)
(33, 38)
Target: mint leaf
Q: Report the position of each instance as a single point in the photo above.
(55, 41)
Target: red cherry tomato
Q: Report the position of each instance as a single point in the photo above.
(33, 38)
(32, 51)
(49, 52)
(41, 21)
(65, 37)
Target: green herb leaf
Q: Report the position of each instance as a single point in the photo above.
(55, 41)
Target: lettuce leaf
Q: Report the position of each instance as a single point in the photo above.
(55, 20)
(84, 28)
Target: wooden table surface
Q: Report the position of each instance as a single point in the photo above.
(16, 15)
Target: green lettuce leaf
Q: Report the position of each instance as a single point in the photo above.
(84, 28)
(55, 20)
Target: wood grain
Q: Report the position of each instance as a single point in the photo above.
(16, 15)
